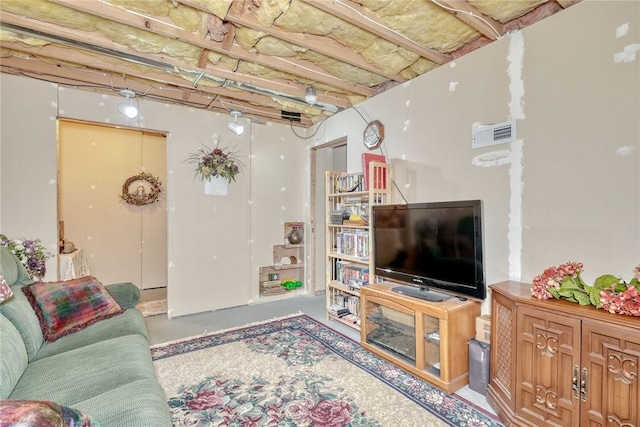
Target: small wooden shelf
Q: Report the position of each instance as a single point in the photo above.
(293, 271)
(339, 319)
(344, 288)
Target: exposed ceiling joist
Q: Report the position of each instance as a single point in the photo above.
(472, 16)
(258, 56)
(358, 16)
(156, 26)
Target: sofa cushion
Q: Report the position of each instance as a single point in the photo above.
(129, 322)
(41, 414)
(13, 357)
(5, 290)
(75, 375)
(139, 403)
(19, 312)
(13, 271)
(127, 294)
(69, 306)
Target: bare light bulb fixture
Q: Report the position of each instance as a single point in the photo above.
(234, 126)
(311, 96)
(127, 109)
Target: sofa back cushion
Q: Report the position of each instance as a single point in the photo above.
(13, 271)
(20, 313)
(14, 357)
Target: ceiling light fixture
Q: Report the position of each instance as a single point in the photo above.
(127, 109)
(311, 96)
(234, 126)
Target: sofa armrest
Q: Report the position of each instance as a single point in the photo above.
(127, 294)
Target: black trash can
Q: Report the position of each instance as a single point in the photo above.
(479, 355)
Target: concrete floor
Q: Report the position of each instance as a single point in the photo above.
(161, 329)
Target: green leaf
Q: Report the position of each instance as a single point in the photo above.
(595, 299)
(570, 283)
(554, 293)
(566, 293)
(606, 281)
(583, 298)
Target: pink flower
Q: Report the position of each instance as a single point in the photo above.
(298, 410)
(552, 277)
(625, 302)
(330, 413)
(206, 399)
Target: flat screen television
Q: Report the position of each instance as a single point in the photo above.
(431, 247)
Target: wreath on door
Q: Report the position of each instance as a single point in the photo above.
(142, 194)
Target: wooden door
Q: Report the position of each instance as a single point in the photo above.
(548, 351)
(610, 359)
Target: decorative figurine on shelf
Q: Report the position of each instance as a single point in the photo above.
(290, 284)
(294, 237)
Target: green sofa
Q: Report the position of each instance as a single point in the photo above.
(104, 370)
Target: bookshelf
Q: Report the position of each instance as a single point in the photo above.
(349, 257)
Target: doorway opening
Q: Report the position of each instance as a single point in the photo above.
(331, 156)
(107, 179)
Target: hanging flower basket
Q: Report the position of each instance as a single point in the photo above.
(216, 186)
(219, 162)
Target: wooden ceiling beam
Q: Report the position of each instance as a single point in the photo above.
(567, 3)
(361, 17)
(108, 83)
(310, 71)
(91, 62)
(324, 45)
(471, 16)
(275, 85)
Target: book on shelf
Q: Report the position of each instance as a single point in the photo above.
(379, 180)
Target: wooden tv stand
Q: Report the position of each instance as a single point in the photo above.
(427, 339)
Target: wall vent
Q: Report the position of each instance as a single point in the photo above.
(290, 115)
(493, 134)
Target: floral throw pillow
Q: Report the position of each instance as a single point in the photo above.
(34, 413)
(5, 290)
(71, 305)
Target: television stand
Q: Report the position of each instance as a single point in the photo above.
(428, 339)
(421, 293)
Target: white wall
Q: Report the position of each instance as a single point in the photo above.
(569, 188)
(210, 263)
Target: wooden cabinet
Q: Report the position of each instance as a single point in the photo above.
(349, 257)
(428, 339)
(556, 363)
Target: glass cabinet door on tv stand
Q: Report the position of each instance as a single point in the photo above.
(428, 339)
(349, 257)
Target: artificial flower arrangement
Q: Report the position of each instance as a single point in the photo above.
(608, 292)
(222, 162)
(31, 254)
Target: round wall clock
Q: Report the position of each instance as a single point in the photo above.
(373, 134)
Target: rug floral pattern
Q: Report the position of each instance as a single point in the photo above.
(297, 372)
(302, 400)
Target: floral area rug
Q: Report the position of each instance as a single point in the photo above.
(295, 371)
(153, 308)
